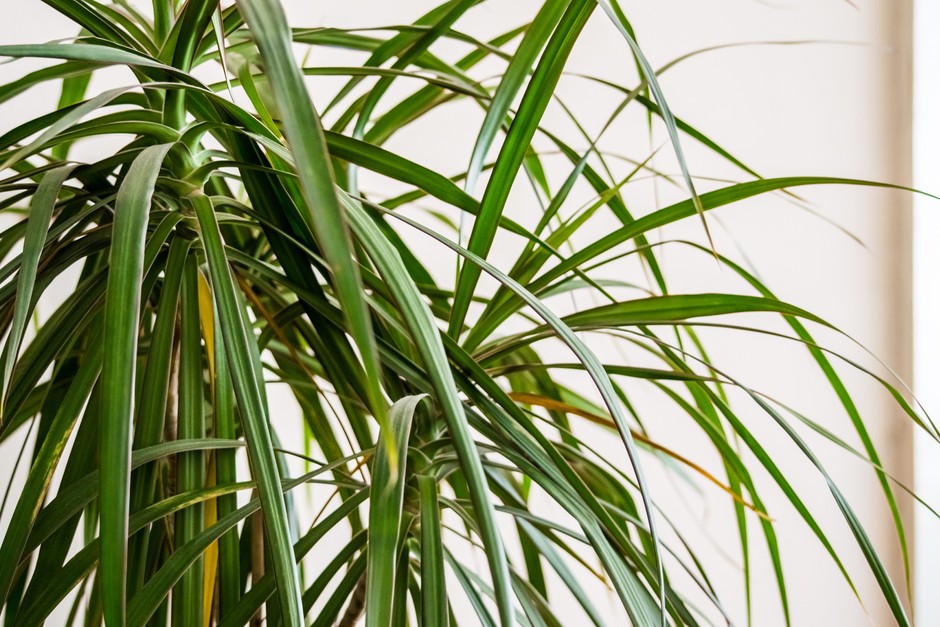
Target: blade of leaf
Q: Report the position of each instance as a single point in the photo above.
(37, 225)
(433, 590)
(302, 127)
(122, 311)
(620, 21)
(385, 513)
(516, 72)
(190, 467)
(533, 105)
(236, 337)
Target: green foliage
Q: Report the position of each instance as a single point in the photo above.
(226, 246)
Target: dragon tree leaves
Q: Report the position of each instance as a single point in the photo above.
(224, 248)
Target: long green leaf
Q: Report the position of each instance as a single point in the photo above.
(37, 226)
(190, 467)
(122, 313)
(615, 13)
(518, 69)
(302, 126)
(536, 98)
(245, 377)
(385, 514)
(433, 587)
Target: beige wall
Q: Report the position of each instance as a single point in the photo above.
(840, 110)
(816, 109)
